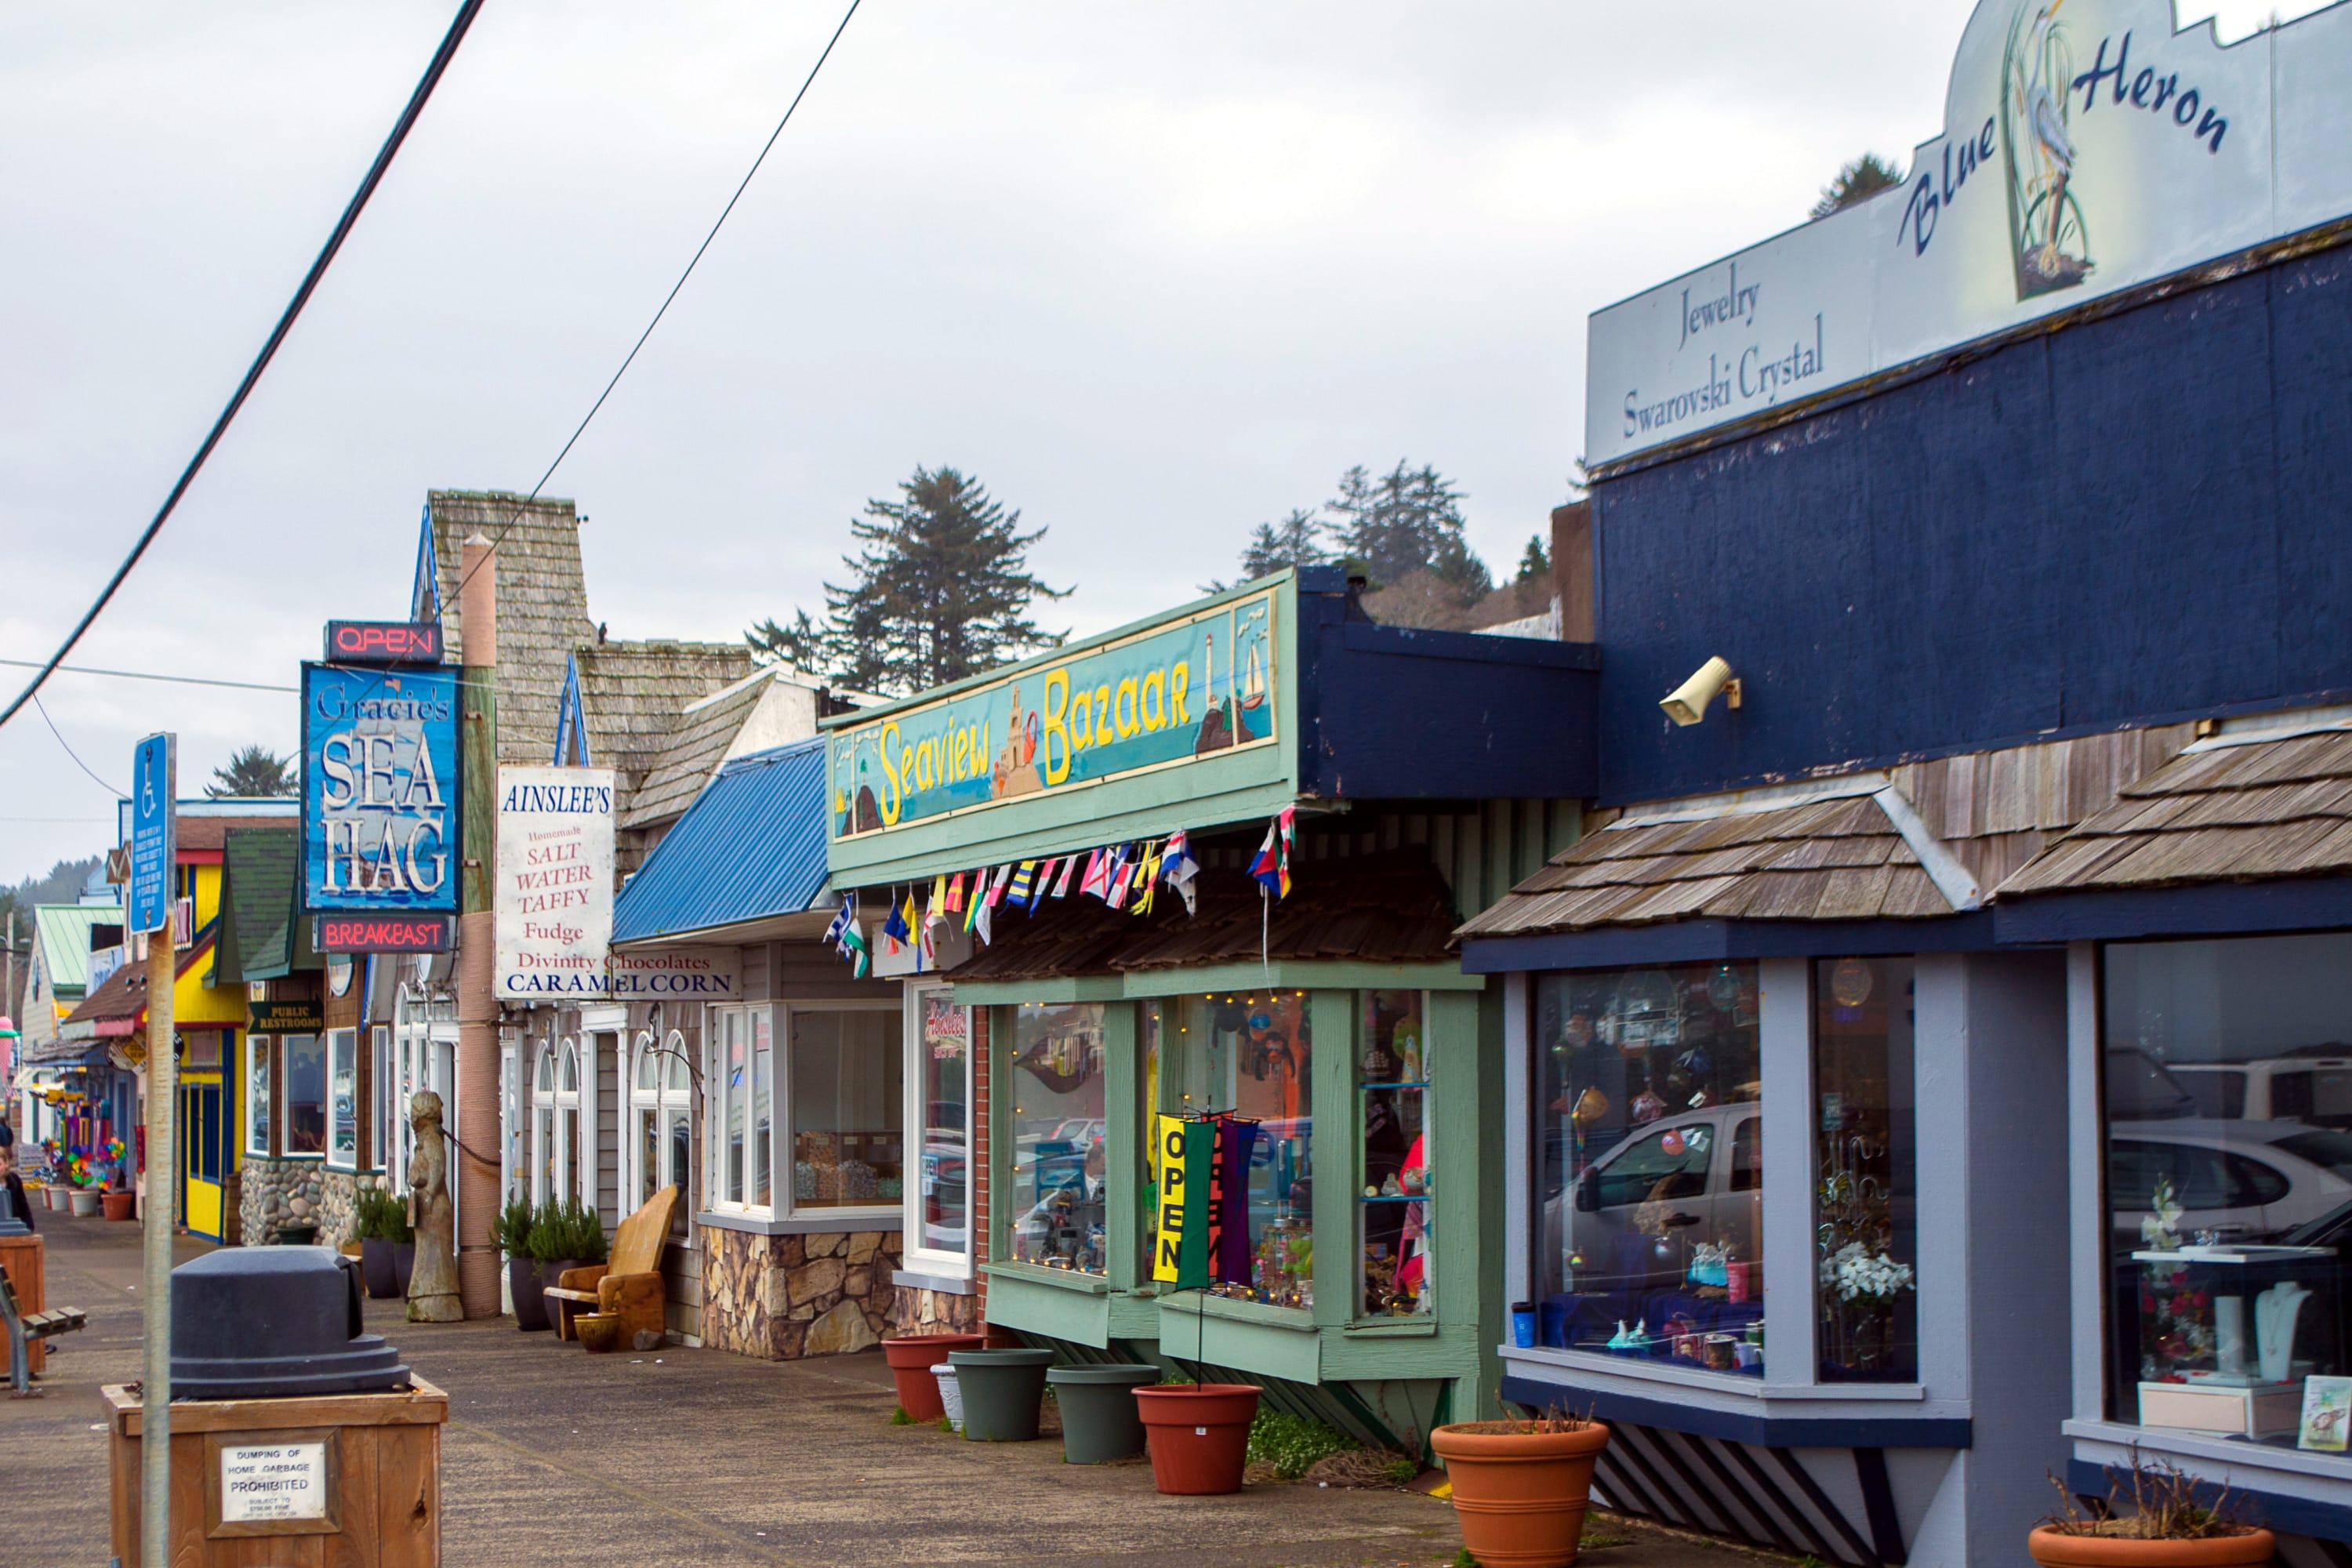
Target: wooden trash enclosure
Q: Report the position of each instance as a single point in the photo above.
(25, 1262)
(365, 1468)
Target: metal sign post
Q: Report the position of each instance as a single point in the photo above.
(155, 787)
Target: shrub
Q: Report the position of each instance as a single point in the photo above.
(566, 1230)
(380, 1215)
(1293, 1442)
(511, 1229)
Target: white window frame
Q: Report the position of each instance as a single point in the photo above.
(780, 1121)
(914, 1121)
(672, 1092)
(379, 1095)
(552, 1143)
(715, 1150)
(267, 1100)
(345, 1043)
(282, 1086)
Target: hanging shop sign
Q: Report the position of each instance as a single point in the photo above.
(380, 790)
(384, 642)
(554, 882)
(384, 933)
(1195, 686)
(300, 1017)
(678, 975)
(2087, 148)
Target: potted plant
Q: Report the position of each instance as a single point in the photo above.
(2169, 1525)
(511, 1230)
(1001, 1393)
(565, 1235)
(911, 1358)
(380, 1225)
(119, 1202)
(1520, 1486)
(1199, 1435)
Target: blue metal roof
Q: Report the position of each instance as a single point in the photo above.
(750, 847)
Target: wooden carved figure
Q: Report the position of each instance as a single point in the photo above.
(432, 1286)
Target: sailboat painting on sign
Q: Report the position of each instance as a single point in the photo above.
(1237, 712)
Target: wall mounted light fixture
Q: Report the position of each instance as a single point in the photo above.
(1686, 703)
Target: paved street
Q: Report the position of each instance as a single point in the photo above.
(701, 1458)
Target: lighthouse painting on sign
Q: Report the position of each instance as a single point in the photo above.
(2049, 242)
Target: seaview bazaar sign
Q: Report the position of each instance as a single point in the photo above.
(554, 882)
(380, 790)
(2087, 148)
(1196, 685)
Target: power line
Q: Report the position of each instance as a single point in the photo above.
(408, 117)
(52, 723)
(144, 675)
(582, 428)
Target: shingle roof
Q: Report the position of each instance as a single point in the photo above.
(752, 848)
(260, 867)
(543, 604)
(635, 692)
(696, 746)
(114, 1008)
(1844, 858)
(1375, 909)
(211, 832)
(2228, 809)
(64, 931)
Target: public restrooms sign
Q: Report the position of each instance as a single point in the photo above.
(554, 897)
(381, 790)
(2086, 147)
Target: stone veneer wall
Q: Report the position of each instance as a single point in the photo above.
(784, 1297)
(272, 1193)
(920, 1310)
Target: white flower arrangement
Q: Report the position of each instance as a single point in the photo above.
(1858, 1274)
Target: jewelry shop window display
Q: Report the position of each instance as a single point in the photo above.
(1247, 1058)
(305, 1094)
(847, 1099)
(2230, 1238)
(1650, 1164)
(1392, 1074)
(1866, 1196)
(1055, 1215)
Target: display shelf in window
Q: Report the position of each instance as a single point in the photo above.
(1396, 1205)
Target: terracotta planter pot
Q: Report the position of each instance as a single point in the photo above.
(1199, 1435)
(120, 1205)
(2053, 1550)
(910, 1359)
(1520, 1496)
(524, 1284)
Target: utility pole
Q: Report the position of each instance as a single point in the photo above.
(156, 781)
(479, 1131)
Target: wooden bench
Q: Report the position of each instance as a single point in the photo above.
(630, 1287)
(26, 1328)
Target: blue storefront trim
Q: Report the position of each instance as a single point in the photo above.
(2219, 909)
(1741, 1427)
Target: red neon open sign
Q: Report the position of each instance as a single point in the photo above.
(384, 642)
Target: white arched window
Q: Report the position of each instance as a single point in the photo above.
(660, 1118)
(555, 1122)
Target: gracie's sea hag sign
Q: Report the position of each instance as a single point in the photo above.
(380, 790)
(554, 908)
(1192, 687)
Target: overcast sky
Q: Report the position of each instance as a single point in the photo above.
(1154, 273)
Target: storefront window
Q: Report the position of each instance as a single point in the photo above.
(1246, 1057)
(2228, 1087)
(1055, 1217)
(1866, 1197)
(1397, 1272)
(847, 1099)
(305, 1094)
(258, 1100)
(730, 1088)
(659, 1110)
(379, 1093)
(938, 1220)
(1650, 1155)
(343, 1098)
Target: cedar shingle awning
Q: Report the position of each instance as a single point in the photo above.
(2235, 809)
(1860, 855)
(1377, 909)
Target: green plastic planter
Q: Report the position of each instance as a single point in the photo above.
(1001, 1390)
(1098, 1419)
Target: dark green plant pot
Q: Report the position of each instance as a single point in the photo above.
(1002, 1392)
(1098, 1419)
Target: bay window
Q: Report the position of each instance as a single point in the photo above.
(846, 1066)
(1866, 1197)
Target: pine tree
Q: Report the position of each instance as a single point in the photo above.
(1857, 182)
(942, 591)
(1295, 540)
(1535, 560)
(1405, 521)
(255, 773)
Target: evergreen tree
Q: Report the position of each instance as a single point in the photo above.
(1857, 182)
(1407, 520)
(942, 591)
(254, 772)
(1535, 560)
(1295, 540)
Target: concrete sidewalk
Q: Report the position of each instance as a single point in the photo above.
(683, 1457)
